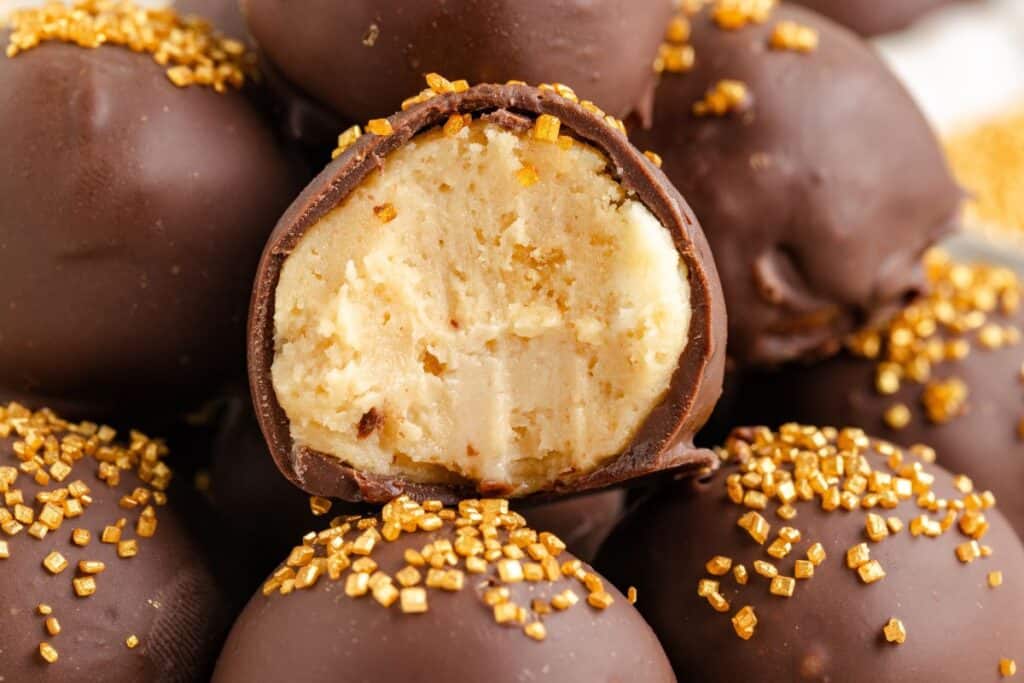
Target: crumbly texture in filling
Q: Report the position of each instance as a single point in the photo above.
(489, 308)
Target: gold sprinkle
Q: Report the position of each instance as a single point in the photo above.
(871, 571)
(631, 595)
(725, 97)
(1007, 667)
(816, 554)
(601, 600)
(91, 567)
(791, 35)
(765, 569)
(968, 552)
(55, 563)
(719, 565)
(744, 622)
(995, 579)
(653, 157)
(52, 626)
(895, 631)
(735, 14)
(876, 527)
(413, 600)
(858, 556)
(346, 140)
(755, 525)
(48, 653)
(547, 128)
(44, 609)
(897, 416)
(126, 549)
(84, 586)
(535, 630)
(379, 127)
(317, 505)
(739, 572)
(132, 642)
(804, 569)
(783, 586)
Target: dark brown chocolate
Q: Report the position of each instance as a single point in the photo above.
(362, 58)
(165, 595)
(816, 223)
(318, 631)
(980, 436)
(871, 18)
(831, 628)
(665, 439)
(132, 214)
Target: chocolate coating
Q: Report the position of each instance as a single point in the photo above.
(664, 441)
(982, 442)
(132, 214)
(318, 632)
(871, 18)
(363, 58)
(165, 596)
(831, 628)
(225, 15)
(816, 223)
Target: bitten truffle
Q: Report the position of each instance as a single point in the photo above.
(135, 198)
(946, 371)
(364, 57)
(424, 592)
(98, 579)
(817, 205)
(491, 292)
(823, 555)
(870, 17)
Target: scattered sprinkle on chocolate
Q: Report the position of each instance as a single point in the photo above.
(724, 97)
(895, 632)
(1007, 667)
(791, 35)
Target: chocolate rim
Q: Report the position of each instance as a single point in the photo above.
(665, 439)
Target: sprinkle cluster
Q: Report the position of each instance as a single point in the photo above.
(192, 52)
(831, 469)
(989, 161)
(481, 545)
(676, 55)
(546, 127)
(50, 454)
(967, 309)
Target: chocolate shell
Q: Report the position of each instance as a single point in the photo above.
(920, 584)
(816, 203)
(132, 215)
(297, 630)
(871, 18)
(663, 441)
(362, 58)
(155, 613)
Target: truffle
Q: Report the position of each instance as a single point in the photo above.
(427, 593)
(517, 302)
(817, 554)
(132, 212)
(816, 224)
(98, 579)
(363, 57)
(945, 371)
(871, 18)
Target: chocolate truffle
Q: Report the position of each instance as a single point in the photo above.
(817, 206)
(946, 371)
(870, 17)
(492, 292)
(824, 555)
(133, 209)
(364, 57)
(432, 593)
(98, 579)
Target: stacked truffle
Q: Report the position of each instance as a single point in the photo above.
(493, 293)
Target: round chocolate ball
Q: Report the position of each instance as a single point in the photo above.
(870, 18)
(132, 215)
(363, 58)
(946, 371)
(97, 573)
(429, 606)
(753, 574)
(816, 206)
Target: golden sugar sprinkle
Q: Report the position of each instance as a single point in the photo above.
(192, 52)
(477, 537)
(725, 97)
(831, 468)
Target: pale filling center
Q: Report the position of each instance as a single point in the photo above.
(459, 318)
